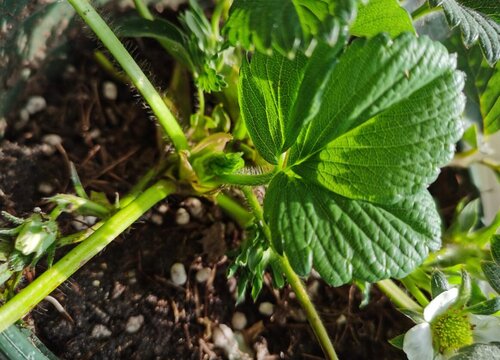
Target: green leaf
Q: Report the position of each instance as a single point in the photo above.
(268, 89)
(287, 25)
(345, 238)
(439, 284)
(478, 352)
(487, 307)
(492, 272)
(474, 24)
(385, 96)
(381, 16)
(273, 110)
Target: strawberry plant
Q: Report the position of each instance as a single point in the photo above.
(342, 112)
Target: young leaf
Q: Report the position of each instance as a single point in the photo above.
(345, 238)
(379, 16)
(271, 106)
(404, 93)
(471, 16)
(287, 25)
(268, 89)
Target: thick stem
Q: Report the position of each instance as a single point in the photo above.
(311, 313)
(397, 296)
(35, 292)
(134, 72)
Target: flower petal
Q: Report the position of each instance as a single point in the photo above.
(417, 343)
(440, 304)
(486, 328)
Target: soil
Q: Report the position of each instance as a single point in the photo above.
(122, 304)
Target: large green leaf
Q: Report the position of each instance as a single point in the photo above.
(397, 152)
(269, 89)
(343, 238)
(478, 20)
(389, 119)
(379, 16)
(287, 25)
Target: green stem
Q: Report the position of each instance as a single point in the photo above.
(35, 292)
(246, 180)
(415, 291)
(311, 313)
(134, 72)
(424, 10)
(235, 210)
(397, 296)
(294, 281)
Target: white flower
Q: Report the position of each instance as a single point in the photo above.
(444, 330)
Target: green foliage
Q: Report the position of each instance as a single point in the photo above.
(379, 16)
(347, 238)
(253, 258)
(478, 20)
(380, 138)
(287, 25)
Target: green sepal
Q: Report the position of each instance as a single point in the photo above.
(398, 341)
(487, 307)
(439, 283)
(495, 248)
(464, 291)
(492, 273)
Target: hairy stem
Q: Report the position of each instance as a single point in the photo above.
(295, 282)
(397, 296)
(134, 72)
(235, 210)
(246, 179)
(35, 292)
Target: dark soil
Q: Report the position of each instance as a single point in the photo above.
(112, 142)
